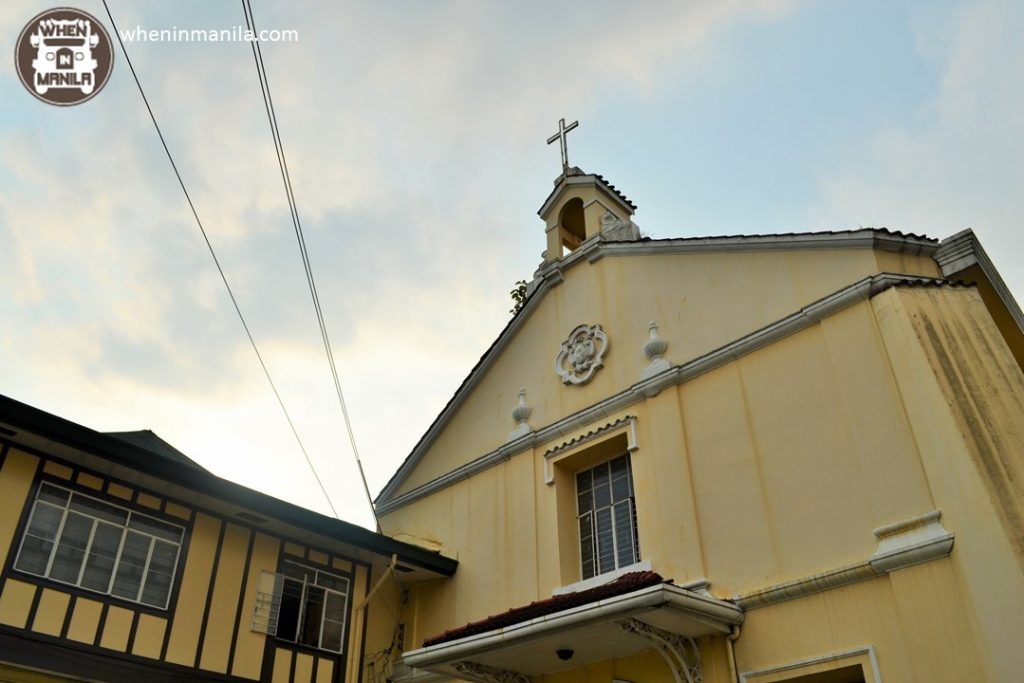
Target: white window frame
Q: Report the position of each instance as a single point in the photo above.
(593, 521)
(96, 521)
(270, 594)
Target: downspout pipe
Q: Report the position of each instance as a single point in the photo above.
(730, 646)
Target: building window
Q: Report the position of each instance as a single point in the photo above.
(606, 514)
(303, 605)
(85, 542)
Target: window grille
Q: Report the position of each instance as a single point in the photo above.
(606, 514)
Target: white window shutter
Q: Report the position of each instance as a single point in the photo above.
(268, 603)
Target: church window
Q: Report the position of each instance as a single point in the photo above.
(606, 515)
(86, 542)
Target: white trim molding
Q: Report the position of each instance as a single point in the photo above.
(911, 541)
(900, 545)
(809, 315)
(866, 651)
(563, 449)
(962, 251)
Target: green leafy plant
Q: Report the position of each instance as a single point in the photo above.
(518, 297)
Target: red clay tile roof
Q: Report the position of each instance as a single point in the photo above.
(627, 583)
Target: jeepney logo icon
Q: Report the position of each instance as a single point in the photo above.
(64, 56)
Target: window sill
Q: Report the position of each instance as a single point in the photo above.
(601, 579)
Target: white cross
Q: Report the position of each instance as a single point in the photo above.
(560, 135)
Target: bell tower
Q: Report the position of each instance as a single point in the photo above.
(583, 205)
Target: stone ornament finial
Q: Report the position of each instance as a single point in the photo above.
(654, 349)
(581, 354)
(521, 414)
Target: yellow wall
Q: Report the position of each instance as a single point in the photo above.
(772, 468)
(205, 627)
(700, 302)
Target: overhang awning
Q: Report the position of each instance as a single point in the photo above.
(661, 616)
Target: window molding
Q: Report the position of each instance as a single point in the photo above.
(601, 579)
(567, 449)
(864, 655)
(119, 560)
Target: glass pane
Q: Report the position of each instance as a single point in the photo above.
(334, 621)
(99, 510)
(605, 546)
(624, 533)
(164, 557)
(620, 488)
(297, 571)
(309, 632)
(35, 553)
(332, 635)
(161, 569)
(52, 494)
(45, 521)
(620, 479)
(159, 529)
(586, 547)
(602, 489)
(157, 589)
(67, 559)
(333, 582)
(585, 501)
(335, 609)
(288, 617)
(620, 466)
(131, 566)
(584, 481)
(99, 566)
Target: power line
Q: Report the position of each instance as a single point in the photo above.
(216, 261)
(268, 104)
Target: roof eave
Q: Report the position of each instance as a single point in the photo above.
(703, 615)
(587, 179)
(24, 417)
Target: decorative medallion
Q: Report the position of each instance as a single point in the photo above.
(581, 354)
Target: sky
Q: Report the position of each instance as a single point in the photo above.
(415, 136)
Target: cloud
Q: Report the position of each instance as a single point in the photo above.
(956, 162)
(413, 132)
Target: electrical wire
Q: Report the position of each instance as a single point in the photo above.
(268, 104)
(216, 261)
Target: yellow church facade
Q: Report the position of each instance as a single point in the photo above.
(753, 459)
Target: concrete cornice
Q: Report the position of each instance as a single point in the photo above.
(855, 239)
(900, 545)
(804, 318)
(962, 251)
